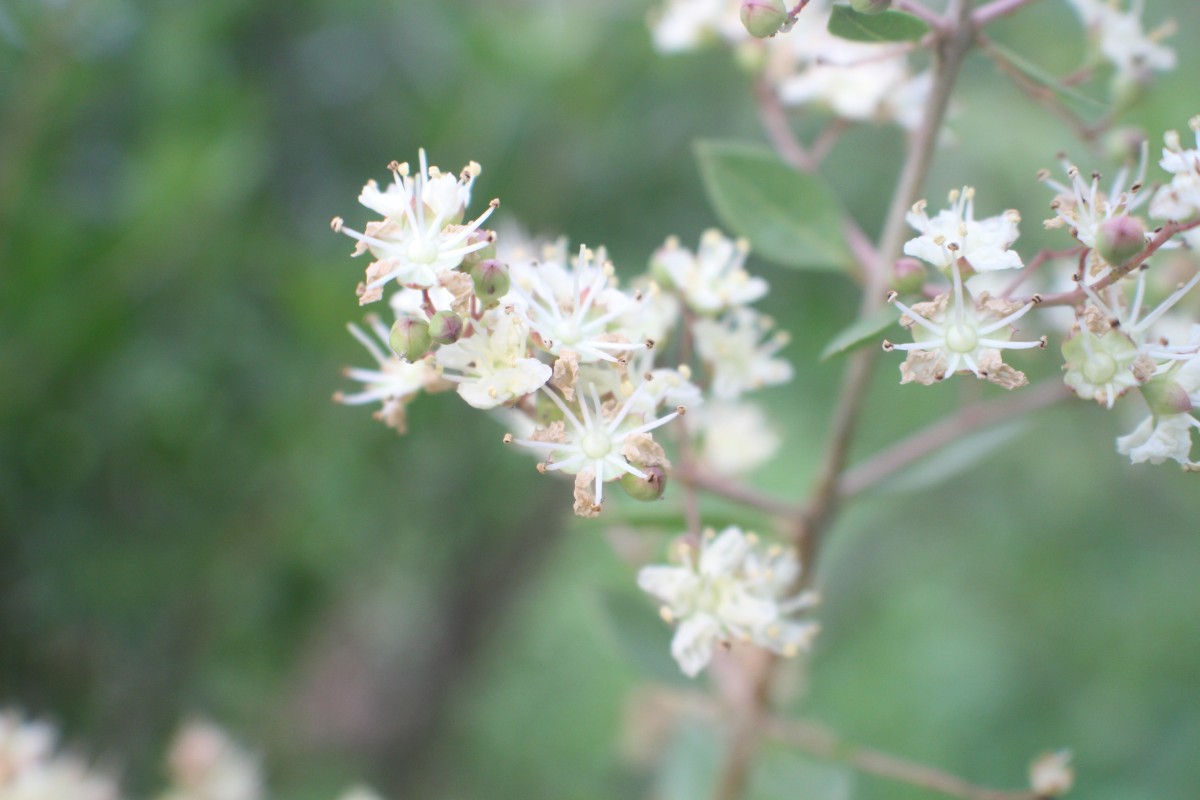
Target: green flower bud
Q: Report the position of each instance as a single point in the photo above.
(645, 489)
(1120, 239)
(1165, 396)
(470, 260)
(410, 338)
(870, 6)
(908, 276)
(763, 18)
(491, 281)
(445, 327)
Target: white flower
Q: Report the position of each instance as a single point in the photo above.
(595, 441)
(1159, 438)
(1051, 775)
(574, 307)
(735, 437)
(394, 384)
(206, 764)
(855, 80)
(951, 335)
(1180, 199)
(31, 770)
(732, 592)
(1083, 208)
(687, 24)
(734, 349)
(421, 235)
(492, 363)
(713, 278)
(954, 234)
(1122, 39)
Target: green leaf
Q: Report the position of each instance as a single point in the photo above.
(790, 218)
(890, 26)
(1040, 76)
(861, 331)
(642, 636)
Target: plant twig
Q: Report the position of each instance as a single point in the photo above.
(823, 743)
(997, 9)
(720, 486)
(930, 439)
(822, 503)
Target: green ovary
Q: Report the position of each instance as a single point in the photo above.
(961, 338)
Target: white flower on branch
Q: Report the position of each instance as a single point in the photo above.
(954, 235)
(575, 305)
(714, 277)
(732, 590)
(206, 764)
(492, 365)
(604, 440)
(734, 349)
(30, 769)
(421, 235)
(394, 383)
(952, 335)
(1180, 199)
(1122, 39)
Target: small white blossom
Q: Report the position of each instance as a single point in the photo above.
(955, 235)
(1122, 38)
(734, 349)
(1180, 199)
(733, 591)
(30, 769)
(1051, 775)
(595, 441)
(394, 384)
(421, 236)
(735, 438)
(206, 764)
(492, 364)
(1083, 208)
(952, 335)
(1159, 438)
(575, 306)
(682, 25)
(714, 277)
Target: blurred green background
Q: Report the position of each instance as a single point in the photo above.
(189, 525)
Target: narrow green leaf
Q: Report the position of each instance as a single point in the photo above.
(890, 26)
(860, 332)
(790, 218)
(1041, 76)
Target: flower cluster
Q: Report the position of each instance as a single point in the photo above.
(203, 764)
(805, 65)
(556, 340)
(730, 588)
(31, 769)
(1119, 341)
(959, 331)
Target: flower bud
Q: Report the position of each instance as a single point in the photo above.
(491, 281)
(1120, 239)
(645, 489)
(1051, 774)
(1165, 396)
(870, 6)
(763, 18)
(410, 338)
(470, 260)
(445, 327)
(908, 277)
